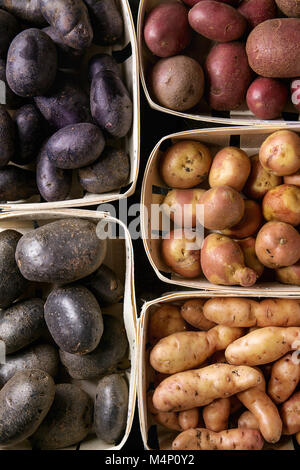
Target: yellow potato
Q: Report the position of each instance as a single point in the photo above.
(262, 346)
(231, 439)
(284, 379)
(189, 418)
(290, 415)
(248, 420)
(187, 350)
(192, 312)
(231, 311)
(216, 414)
(200, 387)
(278, 312)
(164, 321)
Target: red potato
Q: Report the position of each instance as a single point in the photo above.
(289, 274)
(277, 245)
(292, 179)
(231, 439)
(218, 22)
(222, 262)
(251, 260)
(181, 252)
(280, 153)
(164, 321)
(192, 312)
(284, 379)
(223, 207)
(290, 415)
(266, 97)
(231, 167)
(257, 11)
(167, 31)
(191, 3)
(181, 206)
(216, 414)
(260, 181)
(283, 203)
(228, 75)
(289, 7)
(185, 164)
(249, 224)
(247, 420)
(189, 419)
(295, 93)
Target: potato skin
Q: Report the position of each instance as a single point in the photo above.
(24, 402)
(267, 97)
(31, 73)
(68, 421)
(257, 11)
(64, 251)
(7, 137)
(260, 181)
(189, 419)
(231, 311)
(16, 183)
(289, 7)
(105, 286)
(273, 48)
(279, 153)
(12, 283)
(289, 274)
(251, 260)
(193, 312)
(164, 321)
(9, 28)
(231, 167)
(106, 20)
(284, 379)
(248, 420)
(290, 415)
(223, 208)
(68, 58)
(111, 406)
(30, 131)
(249, 224)
(101, 62)
(28, 11)
(283, 203)
(278, 312)
(216, 414)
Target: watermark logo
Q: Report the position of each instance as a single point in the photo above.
(296, 92)
(296, 353)
(2, 352)
(2, 92)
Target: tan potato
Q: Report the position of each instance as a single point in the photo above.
(249, 224)
(298, 438)
(231, 167)
(187, 350)
(168, 420)
(289, 274)
(260, 181)
(231, 311)
(278, 312)
(262, 346)
(248, 420)
(290, 415)
(279, 153)
(216, 414)
(231, 439)
(284, 379)
(200, 387)
(192, 312)
(181, 206)
(223, 208)
(283, 203)
(251, 260)
(189, 418)
(164, 321)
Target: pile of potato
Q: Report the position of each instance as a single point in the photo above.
(251, 211)
(57, 340)
(225, 52)
(225, 372)
(67, 117)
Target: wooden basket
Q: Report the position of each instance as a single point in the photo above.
(154, 189)
(119, 257)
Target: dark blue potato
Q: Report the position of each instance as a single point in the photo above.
(41, 356)
(16, 184)
(31, 63)
(111, 350)
(101, 62)
(111, 408)
(7, 138)
(60, 252)
(22, 324)
(75, 146)
(53, 183)
(9, 98)
(74, 319)
(110, 172)
(30, 129)
(71, 20)
(24, 402)
(26, 10)
(67, 104)
(9, 28)
(68, 421)
(12, 283)
(106, 20)
(68, 58)
(111, 106)
(105, 286)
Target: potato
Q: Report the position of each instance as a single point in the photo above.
(188, 350)
(109, 173)
(228, 74)
(167, 31)
(74, 319)
(278, 312)
(289, 7)
(231, 311)
(262, 346)
(28, 11)
(292, 179)
(185, 164)
(111, 407)
(223, 207)
(177, 82)
(12, 283)
(231, 167)
(16, 184)
(189, 419)
(164, 321)
(7, 137)
(193, 2)
(257, 11)
(249, 224)
(9, 28)
(194, 388)
(68, 421)
(24, 402)
(192, 311)
(22, 324)
(251, 260)
(71, 20)
(100, 63)
(247, 420)
(67, 57)
(285, 377)
(53, 183)
(216, 414)
(279, 153)
(104, 358)
(60, 252)
(260, 180)
(106, 20)
(277, 244)
(222, 262)
(289, 275)
(181, 206)
(75, 146)
(282, 203)
(167, 420)
(218, 22)
(231, 439)
(267, 97)
(290, 415)
(41, 356)
(105, 285)
(111, 105)
(272, 48)
(31, 73)
(30, 132)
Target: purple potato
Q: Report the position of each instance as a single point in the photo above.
(68, 58)
(101, 62)
(16, 184)
(106, 20)
(28, 10)
(7, 138)
(9, 28)
(105, 285)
